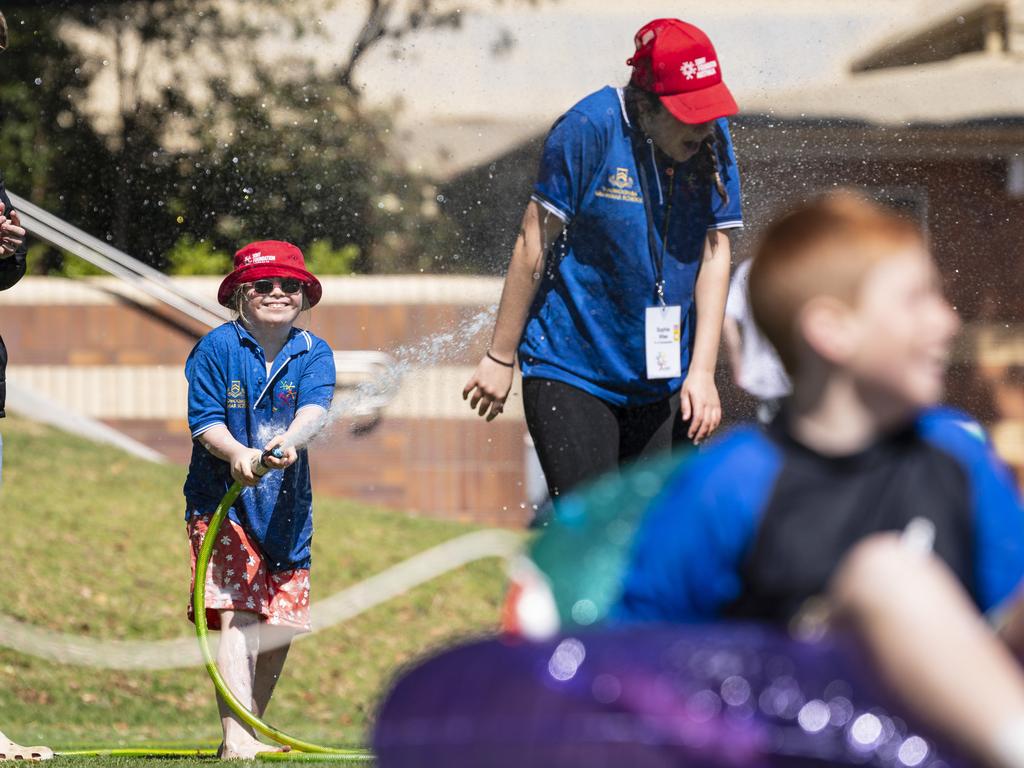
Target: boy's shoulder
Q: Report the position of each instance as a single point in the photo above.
(944, 419)
(741, 444)
(736, 470)
(956, 433)
(961, 437)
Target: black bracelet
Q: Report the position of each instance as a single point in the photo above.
(501, 362)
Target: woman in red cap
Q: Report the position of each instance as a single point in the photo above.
(616, 289)
(256, 384)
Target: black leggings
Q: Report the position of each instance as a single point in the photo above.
(580, 437)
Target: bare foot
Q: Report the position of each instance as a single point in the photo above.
(246, 748)
(11, 751)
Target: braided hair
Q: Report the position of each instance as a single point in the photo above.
(641, 104)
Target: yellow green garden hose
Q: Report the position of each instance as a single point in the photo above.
(302, 751)
(199, 606)
(137, 752)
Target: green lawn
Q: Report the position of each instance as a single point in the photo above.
(96, 547)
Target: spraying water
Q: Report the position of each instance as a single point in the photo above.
(369, 397)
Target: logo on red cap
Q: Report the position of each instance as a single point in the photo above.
(699, 68)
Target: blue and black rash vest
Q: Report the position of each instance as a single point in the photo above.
(759, 523)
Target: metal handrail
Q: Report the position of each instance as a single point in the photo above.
(67, 237)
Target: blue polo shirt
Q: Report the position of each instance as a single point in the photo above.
(228, 385)
(586, 326)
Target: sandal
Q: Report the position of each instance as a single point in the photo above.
(11, 751)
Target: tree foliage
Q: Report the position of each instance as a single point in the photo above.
(210, 139)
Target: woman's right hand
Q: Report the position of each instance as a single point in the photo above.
(242, 462)
(488, 388)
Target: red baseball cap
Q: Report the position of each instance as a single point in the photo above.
(269, 258)
(677, 61)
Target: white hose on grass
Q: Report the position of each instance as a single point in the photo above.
(75, 650)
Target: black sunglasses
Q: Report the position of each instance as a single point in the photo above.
(288, 285)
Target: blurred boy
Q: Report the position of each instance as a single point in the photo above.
(848, 294)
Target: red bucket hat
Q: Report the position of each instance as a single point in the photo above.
(269, 258)
(677, 61)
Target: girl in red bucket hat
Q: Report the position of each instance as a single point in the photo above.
(255, 384)
(615, 293)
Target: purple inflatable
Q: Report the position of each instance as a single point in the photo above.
(650, 697)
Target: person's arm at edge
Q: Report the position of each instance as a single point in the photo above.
(490, 383)
(12, 268)
(699, 401)
(733, 346)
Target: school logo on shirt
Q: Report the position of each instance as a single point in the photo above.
(236, 395)
(621, 178)
(621, 186)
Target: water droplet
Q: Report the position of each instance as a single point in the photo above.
(606, 689)
(735, 691)
(814, 716)
(584, 612)
(866, 730)
(566, 659)
(913, 751)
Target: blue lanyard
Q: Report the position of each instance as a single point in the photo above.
(657, 254)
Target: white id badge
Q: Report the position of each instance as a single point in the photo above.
(664, 359)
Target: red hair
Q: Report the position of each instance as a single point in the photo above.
(824, 247)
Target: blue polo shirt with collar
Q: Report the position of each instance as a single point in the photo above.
(229, 385)
(586, 326)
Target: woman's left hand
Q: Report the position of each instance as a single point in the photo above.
(291, 455)
(699, 405)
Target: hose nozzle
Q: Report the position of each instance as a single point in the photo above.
(259, 466)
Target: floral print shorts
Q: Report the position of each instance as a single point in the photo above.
(238, 580)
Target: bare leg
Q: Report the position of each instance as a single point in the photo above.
(236, 658)
(270, 663)
(932, 647)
